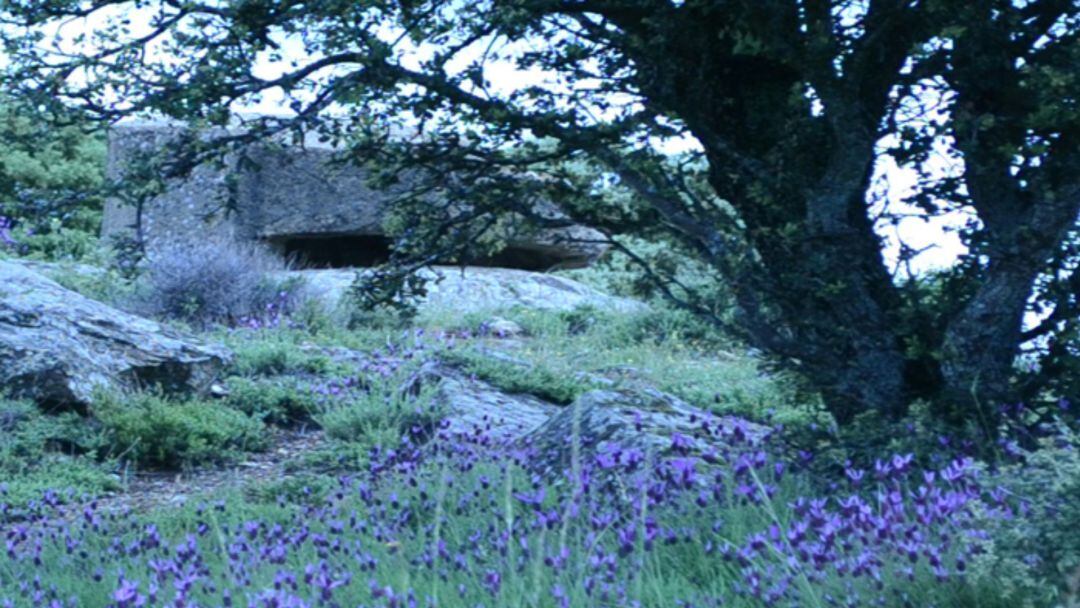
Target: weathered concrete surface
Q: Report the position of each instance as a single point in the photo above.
(58, 347)
(192, 207)
(282, 194)
(473, 289)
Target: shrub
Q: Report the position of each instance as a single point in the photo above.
(216, 281)
(104, 286)
(60, 243)
(13, 413)
(1035, 550)
(51, 180)
(379, 414)
(155, 432)
(272, 356)
(41, 452)
(314, 316)
(28, 436)
(273, 401)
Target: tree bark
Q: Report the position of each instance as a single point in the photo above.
(845, 312)
(982, 343)
(830, 291)
(1026, 208)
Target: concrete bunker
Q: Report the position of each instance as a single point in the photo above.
(299, 201)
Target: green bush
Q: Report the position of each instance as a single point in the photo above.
(105, 286)
(27, 435)
(272, 400)
(1036, 553)
(13, 414)
(40, 452)
(156, 432)
(60, 242)
(273, 356)
(314, 316)
(51, 185)
(377, 415)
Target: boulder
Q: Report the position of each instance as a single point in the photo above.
(499, 327)
(468, 289)
(631, 425)
(299, 200)
(476, 409)
(58, 347)
(54, 269)
(475, 288)
(621, 426)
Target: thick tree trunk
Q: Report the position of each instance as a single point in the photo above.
(838, 334)
(829, 290)
(981, 344)
(819, 295)
(868, 377)
(843, 313)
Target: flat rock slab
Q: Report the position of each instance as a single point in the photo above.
(51, 269)
(478, 288)
(636, 424)
(473, 408)
(58, 347)
(621, 426)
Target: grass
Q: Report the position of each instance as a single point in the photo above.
(380, 414)
(373, 535)
(277, 374)
(661, 348)
(542, 380)
(103, 285)
(279, 401)
(274, 353)
(40, 452)
(351, 544)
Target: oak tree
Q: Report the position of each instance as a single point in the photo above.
(780, 112)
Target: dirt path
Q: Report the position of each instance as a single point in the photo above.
(149, 489)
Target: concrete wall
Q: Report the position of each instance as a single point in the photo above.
(278, 193)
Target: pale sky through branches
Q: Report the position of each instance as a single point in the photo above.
(935, 239)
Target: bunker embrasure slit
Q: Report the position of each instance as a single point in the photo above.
(366, 250)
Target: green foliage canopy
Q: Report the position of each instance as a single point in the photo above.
(51, 180)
